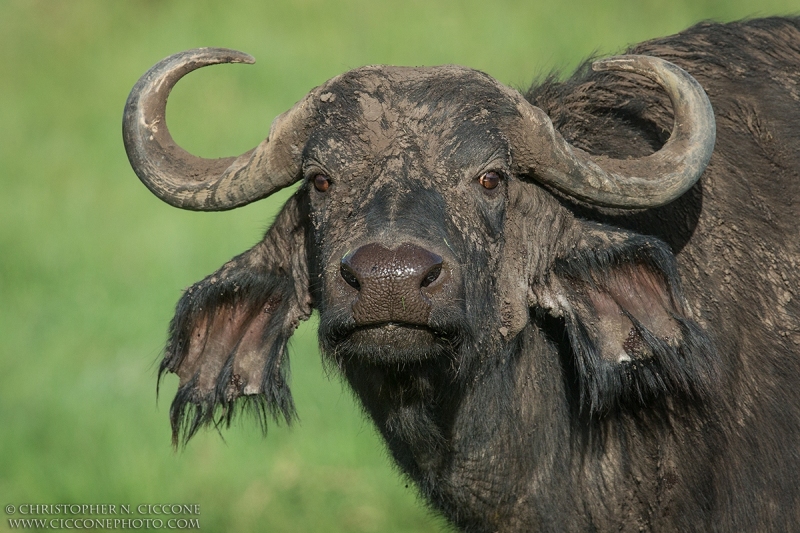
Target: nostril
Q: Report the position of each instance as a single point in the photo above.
(349, 276)
(432, 275)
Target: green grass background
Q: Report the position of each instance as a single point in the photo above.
(91, 263)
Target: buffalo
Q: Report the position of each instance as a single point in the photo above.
(571, 310)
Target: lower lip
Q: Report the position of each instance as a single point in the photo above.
(393, 336)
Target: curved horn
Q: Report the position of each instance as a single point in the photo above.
(650, 181)
(190, 182)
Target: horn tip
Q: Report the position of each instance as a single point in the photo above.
(241, 57)
(210, 56)
(228, 55)
(611, 63)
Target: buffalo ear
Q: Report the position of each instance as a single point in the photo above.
(631, 339)
(227, 341)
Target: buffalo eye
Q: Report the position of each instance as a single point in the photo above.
(322, 182)
(489, 180)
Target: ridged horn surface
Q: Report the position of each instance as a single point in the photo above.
(196, 183)
(650, 181)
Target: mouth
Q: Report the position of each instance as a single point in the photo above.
(393, 334)
(393, 342)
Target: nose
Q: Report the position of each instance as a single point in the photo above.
(392, 285)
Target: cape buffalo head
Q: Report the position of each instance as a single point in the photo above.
(427, 234)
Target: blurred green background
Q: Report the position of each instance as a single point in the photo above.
(91, 263)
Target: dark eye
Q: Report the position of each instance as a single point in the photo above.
(490, 180)
(321, 182)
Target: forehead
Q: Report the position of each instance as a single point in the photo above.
(446, 109)
(404, 96)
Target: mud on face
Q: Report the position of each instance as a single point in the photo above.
(408, 223)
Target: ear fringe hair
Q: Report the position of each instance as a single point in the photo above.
(191, 411)
(688, 370)
(230, 287)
